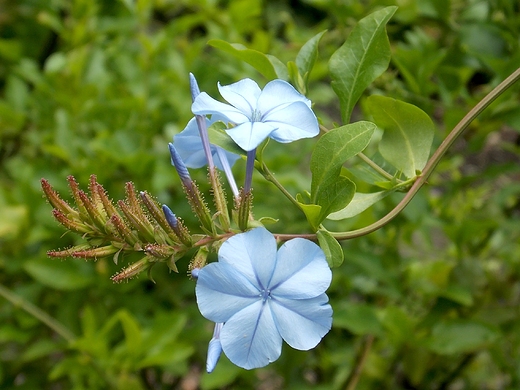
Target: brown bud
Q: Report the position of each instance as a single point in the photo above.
(95, 253)
(54, 199)
(71, 224)
(132, 270)
(67, 252)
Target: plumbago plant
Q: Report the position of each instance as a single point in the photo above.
(267, 287)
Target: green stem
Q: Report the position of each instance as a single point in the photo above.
(376, 167)
(428, 169)
(367, 160)
(266, 173)
(36, 312)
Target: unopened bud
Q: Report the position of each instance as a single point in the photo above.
(200, 258)
(95, 253)
(132, 270)
(71, 224)
(180, 166)
(177, 226)
(159, 251)
(63, 254)
(194, 87)
(138, 221)
(214, 348)
(158, 215)
(56, 202)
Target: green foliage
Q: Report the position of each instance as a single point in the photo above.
(408, 133)
(92, 87)
(331, 247)
(363, 57)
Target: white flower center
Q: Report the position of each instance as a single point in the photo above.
(256, 116)
(265, 294)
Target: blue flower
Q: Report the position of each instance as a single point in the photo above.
(278, 111)
(263, 296)
(189, 145)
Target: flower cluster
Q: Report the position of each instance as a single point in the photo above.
(278, 112)
(256, 295)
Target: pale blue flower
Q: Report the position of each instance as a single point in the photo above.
(263, 296)
(278, 111)
(214, 349)
(189, 145)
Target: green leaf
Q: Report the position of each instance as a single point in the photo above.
(333, 149)
(218, 137)
(335, 196)
(279, 67)
(398, 323)
(306, 57)
(13, 221)
(460, 336)
(331, 247)
(39, 349)
(359, 203)
(296, 78)
(132, 332)
(408, 133)
(364, 56)
(61, 275)
(312, 212)
(458, 294)
(359, 319)
(256, 59)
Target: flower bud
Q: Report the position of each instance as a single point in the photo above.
(132, 270)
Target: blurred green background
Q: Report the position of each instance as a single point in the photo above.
(431, 301)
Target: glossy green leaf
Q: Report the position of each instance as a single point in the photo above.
(460, 336)
(279, 67)
(256, 59)
(408, 133)
(312, 213)
(360, 202)
(333, 149)
(364, 56)
(307, 56)
(331, 247)
(335, 196)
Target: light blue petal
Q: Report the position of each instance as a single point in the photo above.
(279, 93)
(301, 270)
(251, 134)
(293, 122)
(250, 338)
(222, 291)
(214, 349)
(189, 145)
(243, 95)
(205, 105)
(302, 323)
(253, 254)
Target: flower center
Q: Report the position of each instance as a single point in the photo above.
(265, 294)
(256, 116)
